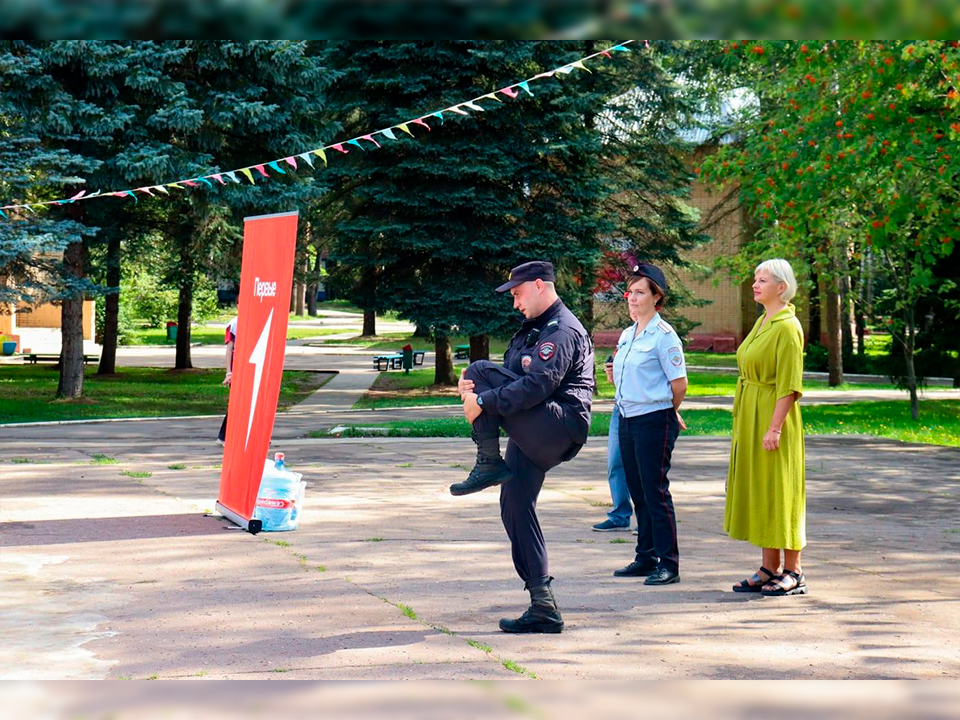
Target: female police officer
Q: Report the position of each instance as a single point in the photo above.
(651, 381)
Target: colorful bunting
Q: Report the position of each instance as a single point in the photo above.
(509, 91)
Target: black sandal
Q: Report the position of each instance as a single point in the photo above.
(754, 583)
(783, 586)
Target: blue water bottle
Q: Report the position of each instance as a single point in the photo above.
(276, 501)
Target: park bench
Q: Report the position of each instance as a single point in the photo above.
(394, 361)
(461, 352)
(34, 358)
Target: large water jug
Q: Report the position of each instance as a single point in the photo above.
(280, 498)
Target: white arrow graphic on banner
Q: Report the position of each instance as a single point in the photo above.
(257, 357)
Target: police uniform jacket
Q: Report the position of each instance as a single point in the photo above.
(552, 355)
(644, 365)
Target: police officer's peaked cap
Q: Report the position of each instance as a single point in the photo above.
(535, 270)
(651, 272)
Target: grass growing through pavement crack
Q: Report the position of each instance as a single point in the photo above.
(177, 466)
(101, 459)
(617, 541)
(407, 610)
(279, 543)
(519, 669)
(137, 474)
(20, 460)
(375, 539)
(479, 646)
(406, 464)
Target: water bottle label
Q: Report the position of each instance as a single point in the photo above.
(275, 503)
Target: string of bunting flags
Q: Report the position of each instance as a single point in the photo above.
(260, 170)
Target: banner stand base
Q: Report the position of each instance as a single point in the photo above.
(251, 526)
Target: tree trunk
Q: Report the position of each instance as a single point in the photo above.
(814, 334)
(479, 347)
(71, 329)
(184, 312)
(369, 323)
(111, 302)
(313, 288)
(911, 333)
(834, 341)
(444, 373)
(846, 330)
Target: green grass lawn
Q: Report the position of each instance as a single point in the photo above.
(939, 423)
(214, 336)
(28, 390)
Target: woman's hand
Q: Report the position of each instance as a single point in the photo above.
(608, 369)
(471, 410)
(463, 385)
(228, 378)
(771, 441)
(683, 425)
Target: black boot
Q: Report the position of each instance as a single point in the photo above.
(541, 617)
(490, 469)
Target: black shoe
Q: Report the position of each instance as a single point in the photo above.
(662, 576)
(638, 568)
(541, 617)
(486, 473)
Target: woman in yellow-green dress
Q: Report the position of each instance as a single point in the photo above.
(766, 494)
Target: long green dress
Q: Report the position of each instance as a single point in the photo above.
(766, 491)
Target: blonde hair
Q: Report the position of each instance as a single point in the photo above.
(780, 269)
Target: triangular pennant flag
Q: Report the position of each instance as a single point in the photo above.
(403, 126)
(291, 161)
(219, 178)
(492, 96)
(173, 185)
(130, 193)
(355, 142)
(339, 148)
(439, 115)
(419, 121)
(606, 53)
(509, 92)
(473, 106)
(526, 87)
(273, 164)
(306, 158)
(370, 138)
(579, 64)
(162, 189)
(2, 213)
(146, 190)
(260, 169)
(458, 110)
(29, 209)
(204, 180)
(389, 133)
(233, 176)
(620, 48)
(191, 183)
(565, 70)
(246, 171)
(78, 195)
(322, 154)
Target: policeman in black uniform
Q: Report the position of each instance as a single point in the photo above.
(541, 396)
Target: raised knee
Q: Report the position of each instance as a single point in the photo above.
(475, 370)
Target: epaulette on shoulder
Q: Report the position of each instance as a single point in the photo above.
(664, 327)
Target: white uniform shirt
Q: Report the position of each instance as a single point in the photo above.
(644, 366)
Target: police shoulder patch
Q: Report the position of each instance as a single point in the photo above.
(546, 350)
(676, 356)
(525, 362)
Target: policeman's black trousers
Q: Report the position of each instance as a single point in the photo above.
(538, 442)
(646, 446)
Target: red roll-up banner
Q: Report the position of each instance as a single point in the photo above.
(266, 277)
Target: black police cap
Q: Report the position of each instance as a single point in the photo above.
(651, 272)
(535, 270)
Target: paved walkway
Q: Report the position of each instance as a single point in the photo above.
(108, 574)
